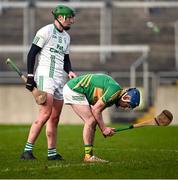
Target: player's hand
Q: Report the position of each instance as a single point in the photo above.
(108, 131)
(30, 84)
(72, 75)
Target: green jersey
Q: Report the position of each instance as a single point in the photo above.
(95, 87)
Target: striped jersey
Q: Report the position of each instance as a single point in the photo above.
(55, 45)
(95, 87)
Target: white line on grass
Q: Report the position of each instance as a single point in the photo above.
(45, 167)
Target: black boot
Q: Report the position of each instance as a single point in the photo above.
(55, 157)
(27, 155)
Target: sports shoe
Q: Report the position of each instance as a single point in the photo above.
(94, 159)
(55, 157)
(27, 155)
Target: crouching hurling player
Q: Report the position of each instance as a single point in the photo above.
(89, 95)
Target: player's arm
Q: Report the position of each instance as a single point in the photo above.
(97, 113)
(68, 67)
(34, 50)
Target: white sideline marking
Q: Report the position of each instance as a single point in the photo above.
(51, 167)
(87, 164)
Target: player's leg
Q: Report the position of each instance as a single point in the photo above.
(44, 114)
(81, 106)
(51, 130)
(84, 112)
(89, 122)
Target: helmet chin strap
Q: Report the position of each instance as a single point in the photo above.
(123, 92)
(65, 28)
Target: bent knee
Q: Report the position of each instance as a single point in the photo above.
(39, 122)
(42, 118)
(45, 115)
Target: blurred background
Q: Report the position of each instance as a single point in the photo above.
(135, 42)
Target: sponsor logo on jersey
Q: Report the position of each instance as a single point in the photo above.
(54, 50)
(78, 98)
(60, 47)
(58, 50)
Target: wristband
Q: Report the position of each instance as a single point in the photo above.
(30, 75)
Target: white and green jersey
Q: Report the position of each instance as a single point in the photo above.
(55, 45)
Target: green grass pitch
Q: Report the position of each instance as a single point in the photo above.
(144, 153)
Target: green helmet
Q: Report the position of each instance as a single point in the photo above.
(64, 11)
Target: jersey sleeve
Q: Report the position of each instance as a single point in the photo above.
(41, 37)
(111, 94)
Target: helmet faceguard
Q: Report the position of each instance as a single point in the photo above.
(134, 97)
(133, 100)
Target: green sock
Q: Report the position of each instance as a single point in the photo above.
(28, 147)
(52, 152)
(88, 150)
